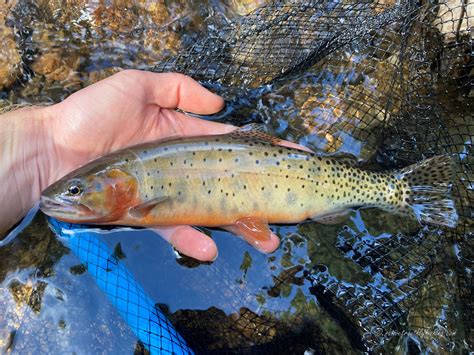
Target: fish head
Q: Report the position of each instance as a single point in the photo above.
(97, 195)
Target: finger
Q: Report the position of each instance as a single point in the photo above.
(190, 242)
(172, 90)
(178, 124)
(266, 246)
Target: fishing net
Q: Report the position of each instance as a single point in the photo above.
(390, 83)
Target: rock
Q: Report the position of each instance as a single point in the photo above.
(10, 59)
(453, 19)
(61, 11)
(243, 7)
(95, 76)
(54, 67)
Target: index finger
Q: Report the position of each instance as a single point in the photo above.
(173, 90)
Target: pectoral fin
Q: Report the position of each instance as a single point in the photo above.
(143, 209)
(333, 218)
(253, 230)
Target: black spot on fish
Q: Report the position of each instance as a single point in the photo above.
(257, 162)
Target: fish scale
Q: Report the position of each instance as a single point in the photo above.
(245, 180)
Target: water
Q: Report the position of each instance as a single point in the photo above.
(376, 281)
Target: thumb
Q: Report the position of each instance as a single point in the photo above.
(172, 90)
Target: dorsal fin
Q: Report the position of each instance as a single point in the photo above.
(346, 158)
(255, 132)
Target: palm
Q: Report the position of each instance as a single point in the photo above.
(126, 109)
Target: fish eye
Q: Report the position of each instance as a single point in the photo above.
(74, 189)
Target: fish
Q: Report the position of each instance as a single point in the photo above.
(243, 181)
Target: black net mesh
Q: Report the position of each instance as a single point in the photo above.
(392, 84)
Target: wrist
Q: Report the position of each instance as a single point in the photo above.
(27, 161)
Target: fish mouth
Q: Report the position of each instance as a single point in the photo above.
(65, 210)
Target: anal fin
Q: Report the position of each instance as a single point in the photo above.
(333, 218)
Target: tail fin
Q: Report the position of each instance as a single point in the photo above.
(427, 187)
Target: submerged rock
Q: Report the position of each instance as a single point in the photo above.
(55, 67)
(454, 19)
(10, 59)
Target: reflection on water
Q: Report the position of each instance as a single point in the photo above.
(374, 280)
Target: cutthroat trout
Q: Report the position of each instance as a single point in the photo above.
(243, 180)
